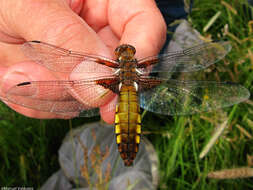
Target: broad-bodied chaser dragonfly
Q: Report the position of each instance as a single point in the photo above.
(144, 83)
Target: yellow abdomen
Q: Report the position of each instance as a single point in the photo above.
(128, 124)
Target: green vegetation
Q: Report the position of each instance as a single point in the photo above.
(28, 147)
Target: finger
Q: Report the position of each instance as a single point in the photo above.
(108, 111)
(6, 32)
(19, 73)
(76, 5)
(109, 38)
(62, 27)
(38, 114)
(95, 13)
(10, 54)
(140, 24)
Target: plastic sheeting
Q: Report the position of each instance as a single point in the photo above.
(89, 159)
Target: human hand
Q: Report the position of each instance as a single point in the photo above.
(92, 26)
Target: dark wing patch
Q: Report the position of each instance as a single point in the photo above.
(110, 83)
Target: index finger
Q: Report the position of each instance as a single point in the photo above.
(138, 23)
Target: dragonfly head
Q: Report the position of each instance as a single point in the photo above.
(125, 52)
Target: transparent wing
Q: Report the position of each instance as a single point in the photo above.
(175, 97)
(61, 97)
(188, 60)
(62, 60)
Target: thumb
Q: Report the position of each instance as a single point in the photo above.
(51, 21)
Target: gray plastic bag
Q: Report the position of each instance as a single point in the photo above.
(89, 159)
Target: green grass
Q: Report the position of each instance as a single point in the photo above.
(28, 147)
(180, 166)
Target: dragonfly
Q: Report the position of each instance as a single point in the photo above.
(144, 83)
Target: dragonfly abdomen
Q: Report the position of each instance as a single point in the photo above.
(128, 124)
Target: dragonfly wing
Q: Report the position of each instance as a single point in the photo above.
(63, 60)
(188, 60)
(62, 97)
(175, 97)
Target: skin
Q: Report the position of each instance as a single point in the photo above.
(92, 26)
